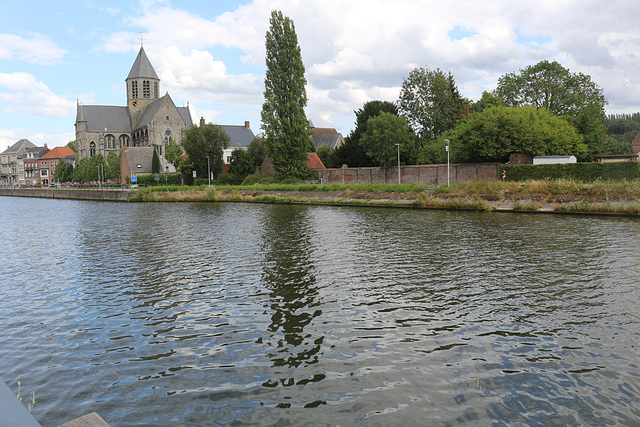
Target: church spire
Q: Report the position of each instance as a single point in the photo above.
(142, 67)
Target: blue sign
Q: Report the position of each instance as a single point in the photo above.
(134, 178)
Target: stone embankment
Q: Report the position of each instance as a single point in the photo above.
(110, 194)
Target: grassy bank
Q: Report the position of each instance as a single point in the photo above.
(622, 197)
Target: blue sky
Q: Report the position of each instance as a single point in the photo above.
(211, 53)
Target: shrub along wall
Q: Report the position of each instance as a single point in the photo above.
(585, 172)
(149, 180)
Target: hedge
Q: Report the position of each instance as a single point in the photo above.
(149, 180)
(583, 172)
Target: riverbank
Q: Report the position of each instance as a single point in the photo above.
(614, 198)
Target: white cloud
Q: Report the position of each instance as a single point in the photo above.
(37, 49)
(359, 50)
(28, 95)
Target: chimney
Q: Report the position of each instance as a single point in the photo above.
(201, 121)
(45, 146)
(246, 124)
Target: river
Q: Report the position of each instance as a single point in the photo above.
(204, 314)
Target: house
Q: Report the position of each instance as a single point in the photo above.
(148, 119)
(326, 137)
(12, 163)
(239, 138)
(47, 163)
(30, 160)
(139, 161)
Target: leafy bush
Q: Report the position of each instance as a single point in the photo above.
(583, 172)
(149, 180)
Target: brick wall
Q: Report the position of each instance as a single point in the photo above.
(430, 174)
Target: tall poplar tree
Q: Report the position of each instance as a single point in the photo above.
(286, 127)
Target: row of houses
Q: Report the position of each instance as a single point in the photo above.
(25, 163)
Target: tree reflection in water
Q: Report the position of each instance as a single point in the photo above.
(293, 343)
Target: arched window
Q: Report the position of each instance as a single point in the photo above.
(92, 149)
(124, 141)
(110, 142)
(146, 90)
(134, 89)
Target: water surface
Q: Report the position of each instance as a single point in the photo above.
(238, 314)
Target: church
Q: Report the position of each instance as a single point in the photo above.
(148, 120)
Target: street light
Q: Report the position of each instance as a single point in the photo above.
(398, 145)
(447, 141)
(209, 170)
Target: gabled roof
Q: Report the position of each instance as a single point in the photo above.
(142, 67)
(314, 162)
(239, 136)
(58, 153)
(109, 117)
(139, 156)
(18, 145)
(150, 112)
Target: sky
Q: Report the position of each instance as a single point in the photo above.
(209, 54)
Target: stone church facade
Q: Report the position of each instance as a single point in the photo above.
(148, 120)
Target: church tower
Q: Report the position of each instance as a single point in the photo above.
(143, 86)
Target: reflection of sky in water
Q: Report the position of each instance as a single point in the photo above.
(254, 314)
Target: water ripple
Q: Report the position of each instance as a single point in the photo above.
(227, 314)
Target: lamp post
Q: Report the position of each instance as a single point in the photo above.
(209, 170)
(398, 145)
(447, 141)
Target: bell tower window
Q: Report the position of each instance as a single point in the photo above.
(134, 89)
(146, 90)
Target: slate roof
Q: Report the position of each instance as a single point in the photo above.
(239, 136)
(142, 156)
(38, 151)
(330, 140)
(142, 67)
(101, 117)
(16, 147)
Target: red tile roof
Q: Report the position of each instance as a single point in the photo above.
(314, 162)
(58, 153)
(323, 131)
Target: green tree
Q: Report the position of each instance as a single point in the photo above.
(257, 151)
(72, 145)
(351, 153)
(173, 153)
(202, 141)
(573, 96)
(549, 85)
(89, 168)
(328, 156)
(379, 140)
(63, 172)
(431, 102)
(286, 127)
(112, 170)
(488, 100)
(497, 132)
(242, 164)
(155, 162)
